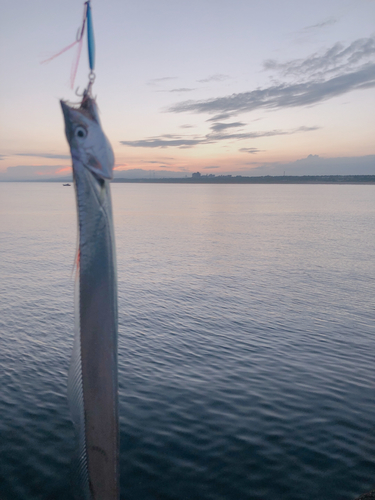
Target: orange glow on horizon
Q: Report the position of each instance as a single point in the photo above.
(63, 169)
(120, 167)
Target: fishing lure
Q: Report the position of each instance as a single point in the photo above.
(93, 379)
(87, 18)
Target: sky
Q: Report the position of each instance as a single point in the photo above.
(239, 87)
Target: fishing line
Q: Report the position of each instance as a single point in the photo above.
(86, 22)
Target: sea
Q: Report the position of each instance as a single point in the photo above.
(246, 340)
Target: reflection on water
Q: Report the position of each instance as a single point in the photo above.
(246, 340)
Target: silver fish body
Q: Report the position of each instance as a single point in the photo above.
(93, 384)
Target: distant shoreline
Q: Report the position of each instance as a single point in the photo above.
(269, 179)
(228, 179)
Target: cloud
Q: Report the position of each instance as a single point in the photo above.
(319, 77)
(214, 166)
(323, 24)
(217, 127)
(256, 135)
(166, 141)
(164, 159)
(64, 170)
(183, 89)
(251, 151)
(222, 116)
(45, 155)
(34, 172)
(2, 157)
(161, 142)
(120, 166)
(335, 61)
(315, 165)
(214, 78)
(157, 81)
(283, 96)
(139, 173)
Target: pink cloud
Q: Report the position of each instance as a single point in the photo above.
(63, 170)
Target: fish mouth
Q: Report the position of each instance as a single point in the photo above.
(65, 109)
(67, 119)
(87, 107)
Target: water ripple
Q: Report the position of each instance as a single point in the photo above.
(246, 341)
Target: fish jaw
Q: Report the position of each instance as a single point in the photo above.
(88, 144)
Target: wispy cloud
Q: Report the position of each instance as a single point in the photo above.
(222, 116)
(214, 78)
(316, 78)
(251, 151)
(313, 164)
(323, 24)
(284, 95)
(2, 157)
(218, 127)
(164, 79)
(338, 60)
(256, 135)
(120, 166)
(34, 172)
(161, 142)
(183, 89)
(139, 173)
(164, 159)
(213, 166)
(64, 170)
(177, 141)
(45, 155)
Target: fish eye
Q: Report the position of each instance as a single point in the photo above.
(80, 132)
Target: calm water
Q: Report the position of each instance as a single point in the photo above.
(246, 341)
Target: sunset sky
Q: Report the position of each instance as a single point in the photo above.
(218, 86)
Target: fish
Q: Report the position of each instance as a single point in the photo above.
(93, 372)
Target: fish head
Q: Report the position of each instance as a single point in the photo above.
(87, 141)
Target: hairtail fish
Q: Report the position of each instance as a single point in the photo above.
(92, 384)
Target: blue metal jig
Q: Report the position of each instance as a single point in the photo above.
(90, 37)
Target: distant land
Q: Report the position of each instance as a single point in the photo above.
(312, 169)
(197, 178)
(311, 166)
